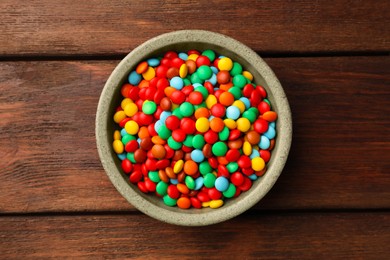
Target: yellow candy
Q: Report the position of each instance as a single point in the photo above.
(258, 164)
(230, 123)
(240, 105)
(247, 75)
(214, 204)
(117, 135)
(131, 127)
(119, 116)
(243, 124)
(125, 102)
(183, 71)
(149, 74)
(247, 148)
(206, 204)
(211, 100)
(131, 109)
(193, 57)
(118, 146)
(225, 63)
(178, 166)
(202, 124)
(174, 106)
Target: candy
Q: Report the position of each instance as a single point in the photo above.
(194, 129)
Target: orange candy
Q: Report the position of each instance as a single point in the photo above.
(270, 116)
(202, 112)
(143, 132)
(184, 203)
(142, 67)
(168, 91)
(190, 167)
(226, 98)
(182, 188)
(222, 160)
(217, 124)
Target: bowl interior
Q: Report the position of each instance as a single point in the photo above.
(222, 45)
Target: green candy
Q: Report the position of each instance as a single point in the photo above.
(186, 109)
(203, 104)
(173, 144)
(219, 149)
(190, 182)
(239, 81)
(161, 188)
(236, 70)
(188, 141)
(195, 78)
(130, 157)
(204, 72)
(169, 201)
(250, 115)
(186, 82)
(204, 91)
(224, 134)
(230, 192)
(127, 138)
(177, 113)
(209, 54)
(198, 142)
(209, 180)
(236, 91)
(164, 132)
(254, 110)
(153, 176)
(149, 107)
(232, 167)
(205, 167)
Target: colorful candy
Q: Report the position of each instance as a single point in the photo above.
(193, 129)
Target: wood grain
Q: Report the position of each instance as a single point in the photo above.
(271, 236)
(340, 157)
(97, 27)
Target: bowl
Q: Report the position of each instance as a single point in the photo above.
(183, 41)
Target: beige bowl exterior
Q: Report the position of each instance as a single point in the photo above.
(183, 41)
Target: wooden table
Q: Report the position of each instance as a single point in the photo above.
(332, 199)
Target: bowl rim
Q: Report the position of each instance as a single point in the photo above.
(185, 217)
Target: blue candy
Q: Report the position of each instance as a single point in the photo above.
(213, 79)
(197, 156)
(164, 115)
(246, 102)
(153, 62)
(264, 142)
(254, 154)
(271, 133)
(122, 156)
(183, 55)
(198, 183)
(221, 184)
(214, 69)
(158, 124)
(177, 82)
(233, 112)
(134, 78)
(253, 177)
(272, 124)
(174, 181)
(123, 132)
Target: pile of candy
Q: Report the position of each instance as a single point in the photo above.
(194, 129)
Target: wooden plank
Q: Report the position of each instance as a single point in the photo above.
(265, 236)
(339, 159)
(116, 27)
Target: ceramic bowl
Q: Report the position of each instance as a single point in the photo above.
(183, 41)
